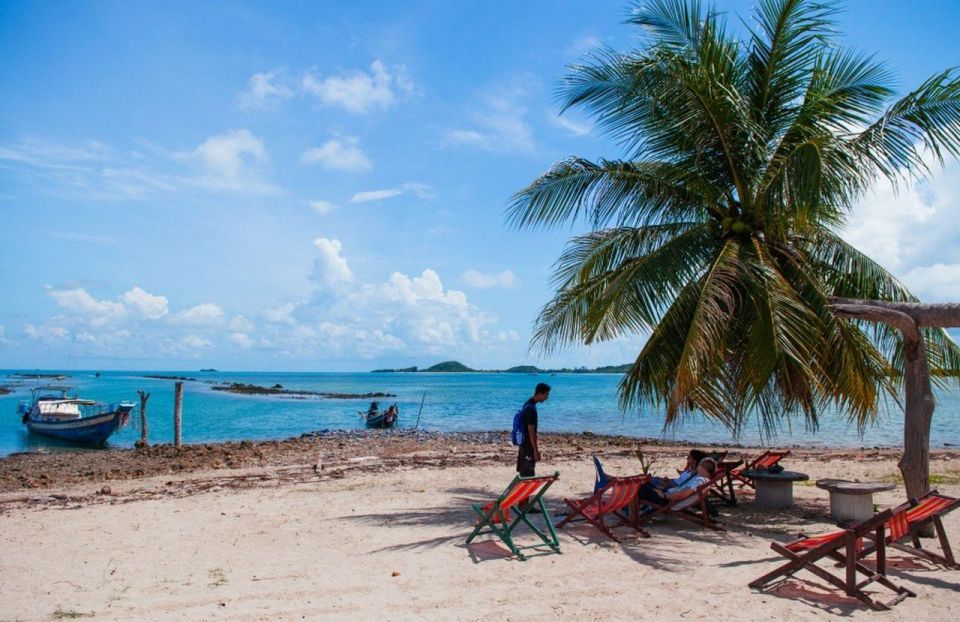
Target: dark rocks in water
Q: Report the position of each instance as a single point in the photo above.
(277, 389)
(5, 390)
(171, 378)
(40, 376)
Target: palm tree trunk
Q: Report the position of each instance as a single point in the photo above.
(918, 409)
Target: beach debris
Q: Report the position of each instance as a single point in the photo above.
(645, 461)
(106, 490)
(395, 573)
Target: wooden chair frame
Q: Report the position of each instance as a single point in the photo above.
(609, 500)
(523, 494)
(842, 547)
(919, 513)
(696, 512)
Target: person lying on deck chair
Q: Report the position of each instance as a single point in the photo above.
(651, 495)
(689, 470)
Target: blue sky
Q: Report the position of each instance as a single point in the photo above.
(322, 186)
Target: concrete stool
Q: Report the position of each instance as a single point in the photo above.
(774, 490)
(851, 502)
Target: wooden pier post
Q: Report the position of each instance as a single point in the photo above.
(177, 412)
(144, 396)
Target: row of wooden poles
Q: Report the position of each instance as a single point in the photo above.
(177, 415)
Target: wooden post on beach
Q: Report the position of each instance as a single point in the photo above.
(144, 396)
(177, 412)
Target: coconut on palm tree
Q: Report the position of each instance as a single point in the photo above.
(716, 233)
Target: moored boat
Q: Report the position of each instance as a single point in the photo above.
(376, 418)
(53, 412)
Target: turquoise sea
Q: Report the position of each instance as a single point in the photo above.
(454, 402)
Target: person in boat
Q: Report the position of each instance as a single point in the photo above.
(391, 415)
(374, 408)
(651, 495)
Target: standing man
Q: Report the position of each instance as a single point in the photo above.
(529, 454)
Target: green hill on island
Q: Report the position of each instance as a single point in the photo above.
(449, 366)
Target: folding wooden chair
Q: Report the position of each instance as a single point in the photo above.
(918, 513)
(766, 460)
(610, 500)
(521, 496)
(693, 508)
(845, 547)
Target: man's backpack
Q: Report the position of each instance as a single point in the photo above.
(518, 435)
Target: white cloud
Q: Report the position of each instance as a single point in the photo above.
(583, 45)
(339, 154)
(359, 92)
(97, 312)
(484, 280)
(203, 314)
(939, 282)
(147, 305)
(241, 339)
(574, 126)
(500, 126)
(913, 232)
(241, 324)
(421, 191)
(46, 332)
(322, 207)
(194, 342)
(234, 160)
(330, 269)
(282, 314)
(266, 90)
(3, 336)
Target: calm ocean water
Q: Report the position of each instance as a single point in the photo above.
(454, 402)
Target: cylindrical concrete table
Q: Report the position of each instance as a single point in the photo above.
(774, 490)
(851, 502)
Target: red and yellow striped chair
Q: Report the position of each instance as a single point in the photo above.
(523, 496)
(609, 500)
(918, 513)
(846, 547)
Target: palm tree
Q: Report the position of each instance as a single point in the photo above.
(717, 232)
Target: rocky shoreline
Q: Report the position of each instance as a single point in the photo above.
(330, 452)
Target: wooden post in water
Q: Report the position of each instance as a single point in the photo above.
(144, 396)
(177, 412)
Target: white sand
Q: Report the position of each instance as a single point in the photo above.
(329, 550)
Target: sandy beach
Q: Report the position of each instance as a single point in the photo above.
(381, 535)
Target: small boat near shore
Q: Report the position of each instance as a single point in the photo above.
(52, 411)
(382, 419)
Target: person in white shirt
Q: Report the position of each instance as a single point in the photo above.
(652, 495)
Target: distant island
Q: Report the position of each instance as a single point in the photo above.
(208, 369)
(277, 389)
(458, 367)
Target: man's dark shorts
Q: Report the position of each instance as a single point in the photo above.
(525, 461)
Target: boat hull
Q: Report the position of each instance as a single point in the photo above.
(381, 421)
(94, 429)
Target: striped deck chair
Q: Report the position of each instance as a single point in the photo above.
(844, 546)
(521, 496)
(766, 460)
(693, 508)
(610, 500)
(918, 513)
